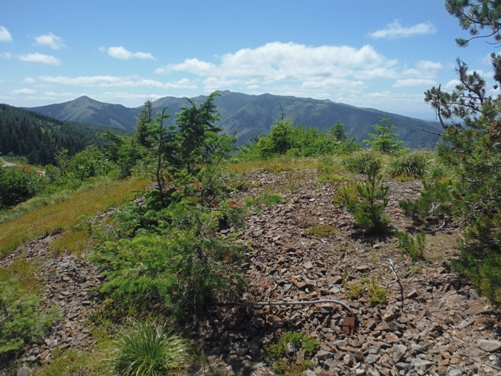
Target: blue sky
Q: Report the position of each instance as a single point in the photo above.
(379, 54)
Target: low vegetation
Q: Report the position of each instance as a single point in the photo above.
(154, 210)
(283, 353)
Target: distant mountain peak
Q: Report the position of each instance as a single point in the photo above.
(248, 115)
(85, 99)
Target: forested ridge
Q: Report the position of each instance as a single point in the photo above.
(39, 137)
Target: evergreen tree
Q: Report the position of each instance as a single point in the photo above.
(144, 118)
(472, 149)
(339, 132)
(384, 140)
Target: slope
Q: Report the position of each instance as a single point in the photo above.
(248, 116)
(39, 137)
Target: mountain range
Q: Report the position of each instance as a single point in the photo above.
(249, 116)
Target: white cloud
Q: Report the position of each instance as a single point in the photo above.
(5, 55)
(5, 35)
(24, 91)
(451, 85)
(39, 58)
(122, 53)
(423, 69)
(115, 81)
(411, 82)
(395, 30)
(275, 62)
(28, 80)
(50, 40)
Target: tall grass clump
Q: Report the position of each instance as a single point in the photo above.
(412, 165)
(148, 348)
(361, 161)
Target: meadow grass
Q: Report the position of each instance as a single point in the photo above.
(64, 216)
(277, 164)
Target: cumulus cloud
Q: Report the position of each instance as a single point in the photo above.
(39, 58)
(115, 81)
(410, 82)
(24, 91)
(28, 80)
(50, 40)
(423, 69)
(122, 53)
(278, 61)
(5, 35)
(395, 30)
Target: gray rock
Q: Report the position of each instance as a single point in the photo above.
(324, 355)
(372, 358)
(489, 345)
(466, 323)
(420, 364)
(24, 371)
(417, 348)
(455, 372)
(403, 366)
(398, 352)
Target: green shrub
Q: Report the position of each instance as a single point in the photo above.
(377, 293)
(285, 363)
(371, 200)
(355, 289)
(170, 260)
(17, 186)
(435, 203)
(361, 161)
(412, 245)
(148, 349)
(22, 321)
(412, 165)
(268, 199)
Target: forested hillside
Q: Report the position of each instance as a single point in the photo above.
(39, 137)
(249, 116)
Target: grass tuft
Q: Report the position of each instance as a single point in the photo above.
(149, 349)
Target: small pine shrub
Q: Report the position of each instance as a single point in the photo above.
(411, 245)
(369, 205)
(434, 204)
(355, 289)
(377, 293)
(148, 349)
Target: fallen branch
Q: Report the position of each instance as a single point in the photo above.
(390, 261)
(261, 304)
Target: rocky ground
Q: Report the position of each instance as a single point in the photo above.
(308, 249)
(4, 163)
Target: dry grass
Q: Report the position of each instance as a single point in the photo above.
(63, 216)
(25, 271)
(278, 164)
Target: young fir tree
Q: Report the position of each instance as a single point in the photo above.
(384, 140)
